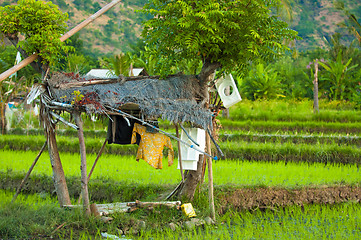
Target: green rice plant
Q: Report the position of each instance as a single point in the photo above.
(293, 127)
(328, 152)
(125, 170)
(294, 110)
(289, 152)
(293, 138)
(37, 217)
(65, 144)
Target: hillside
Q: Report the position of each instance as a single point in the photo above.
(121, 26)
(315, 20)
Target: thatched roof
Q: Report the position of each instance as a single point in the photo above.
(175, 99)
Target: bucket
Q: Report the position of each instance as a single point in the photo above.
(189, 155)
(228, 98)
(188, 210)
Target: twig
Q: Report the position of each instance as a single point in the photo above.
(56, 229)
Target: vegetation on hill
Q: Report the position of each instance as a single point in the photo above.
(121, 26)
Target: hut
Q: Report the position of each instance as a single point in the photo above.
(143, 98)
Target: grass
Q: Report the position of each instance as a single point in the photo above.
(290, 152)
(293, 138)
(272, 148)
(295, 110)
(37, 217)
(242, 173)
(294, 127)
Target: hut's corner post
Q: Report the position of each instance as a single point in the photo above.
(210, 178)
(60, 185)
(84, 177)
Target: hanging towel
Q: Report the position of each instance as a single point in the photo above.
(120, 130)
(151, 146)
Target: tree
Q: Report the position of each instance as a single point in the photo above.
(225, 35)
(42, 24)
(262, 83)
(339, 72)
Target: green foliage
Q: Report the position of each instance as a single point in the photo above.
(261, 83)
(42, 24)
(230, 33)
(77, 63)
(341, 84)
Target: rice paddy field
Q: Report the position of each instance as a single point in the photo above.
(300, 171)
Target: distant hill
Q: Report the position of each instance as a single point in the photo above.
(121, 26)
(315, 20)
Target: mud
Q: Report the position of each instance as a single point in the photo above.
(258, 198)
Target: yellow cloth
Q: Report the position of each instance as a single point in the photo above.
(151, 146)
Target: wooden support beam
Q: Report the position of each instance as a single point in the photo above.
(210, 178)
(94, 164)
(67, 35)
(58, 173)
(179, 152)
(28, 173)
(84, 178)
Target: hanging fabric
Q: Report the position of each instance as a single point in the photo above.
(151, 146)
(120, 130)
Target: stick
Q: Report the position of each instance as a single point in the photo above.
(63, 120)
(84, 179)
(179, 153)
(67, 35)
(28, 173)
(215, 143)
(95, 163)
(210, 179)
(190, 138)
(56, 229)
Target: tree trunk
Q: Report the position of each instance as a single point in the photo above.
(194, 177)
(192, 180)
(3, 119)
(315, 89)
(58, 173)
(36, 65)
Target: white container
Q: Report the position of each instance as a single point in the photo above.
(234, 96)
(189, 155)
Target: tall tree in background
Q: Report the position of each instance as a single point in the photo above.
(225, 35)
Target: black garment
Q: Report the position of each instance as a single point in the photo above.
(122, 130)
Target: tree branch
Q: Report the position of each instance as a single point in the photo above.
(15, 40)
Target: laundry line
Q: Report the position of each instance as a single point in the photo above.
(165, 133)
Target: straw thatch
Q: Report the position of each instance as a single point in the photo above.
(175, 98)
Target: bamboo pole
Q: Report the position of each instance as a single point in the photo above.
(28, 173)
(94, 164)
(67, 35)
(179, 152)
(210, 178)
(84, 178)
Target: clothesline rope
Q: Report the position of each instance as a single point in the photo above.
(165, 133)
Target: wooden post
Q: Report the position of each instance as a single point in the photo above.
(28, 173)
(67, 35)
(58, 173)
(84, 178)
(94, 164)
(179, 152)
(210, 178)
(315, 89)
